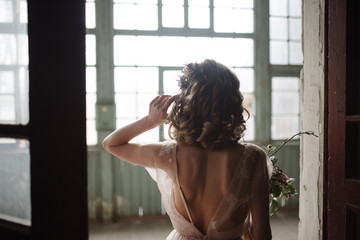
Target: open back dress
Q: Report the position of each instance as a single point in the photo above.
(232, 219)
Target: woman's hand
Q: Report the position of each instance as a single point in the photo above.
(158, 109)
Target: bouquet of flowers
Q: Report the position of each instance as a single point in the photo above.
(280, 184)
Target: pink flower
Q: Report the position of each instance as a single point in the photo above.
(284, 177)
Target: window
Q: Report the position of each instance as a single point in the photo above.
(14, 110)
(147, 43)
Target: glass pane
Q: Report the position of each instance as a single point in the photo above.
(279, 7)
(136, 80)
(249, 132)
(282, 127)
(232, 3)
(173, 16)
(278, 28)
(296, 56)
(7, 106)
(199, 17)
(15, 203)
(170, 81)
(285, 102)
(135, 16)
(146, 17)
(175, 51)
(23, 11)
(146, 55)
(147, 80)
(126, 45)
(295, 29)
(6, 11)
(204, 3)
(90, 49)
(125, 80)
(124, 16)
(278, 52)
(90, 79)
(90, 105)
(90, 15)
(126, 105)
(246, 78)
(173, 2)
(285, 83)
(7, 82)
(295, 8)
(143, 101)
(91, 133)
(233, 20)
(8, 49)
(244, 21)
(246, 48)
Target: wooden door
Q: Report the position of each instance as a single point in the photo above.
(342, 150)
(57, 126)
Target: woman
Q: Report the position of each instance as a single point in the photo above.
(213, 187)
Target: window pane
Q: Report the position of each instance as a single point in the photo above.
(296, 56)
(279, 7)
(7, 106)
(170, 82)
(126, 105)
(232, 3)
(175, 51)
(15, 203)
(295, 29)
(8, 48)
(90, 105)
(6, 11)
(143, 101)
(278, 28)
(285, 105)
(173, 16)
(90, 79)
(249, 132)
(90, 49)
(125, 50)
(136, 80)
(173, 2)
(135, 16)
(283, 127)
(7, 82)
(199, 17)
(125, 80)
(233, 20)
(295, 8)
(278, 52)
(90, 15)
(91, 133)
(285, 84)
(23, 11)
(285, 102)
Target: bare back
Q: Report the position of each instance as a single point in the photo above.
(204, 177)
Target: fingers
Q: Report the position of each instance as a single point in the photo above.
(169, 101)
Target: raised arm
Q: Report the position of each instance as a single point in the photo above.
(259, 202)
(117, 143)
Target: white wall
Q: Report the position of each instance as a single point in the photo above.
(312, 118)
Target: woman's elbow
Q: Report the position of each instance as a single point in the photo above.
(105, 144)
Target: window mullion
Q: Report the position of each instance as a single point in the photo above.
(262, 76)
(105, 105)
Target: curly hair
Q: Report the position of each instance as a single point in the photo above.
(208, 112)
